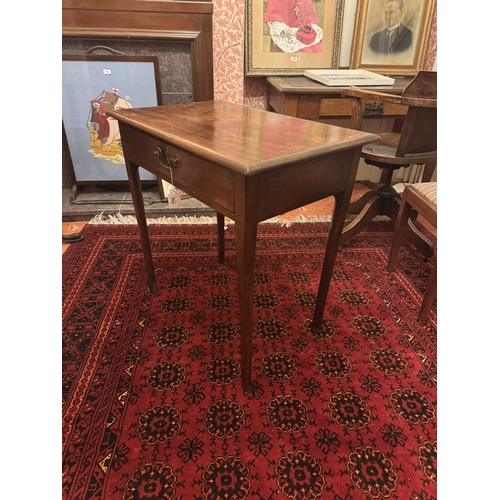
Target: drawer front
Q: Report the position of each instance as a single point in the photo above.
(342, 107)
(206, 181)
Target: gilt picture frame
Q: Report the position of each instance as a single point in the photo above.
(286, 37)
(91, 84)
(391, 36)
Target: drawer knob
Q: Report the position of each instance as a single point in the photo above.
(165, 159)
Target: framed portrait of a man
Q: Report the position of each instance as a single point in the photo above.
(286, 37)
(390, 36)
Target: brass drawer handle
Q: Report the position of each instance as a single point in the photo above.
(168, 162)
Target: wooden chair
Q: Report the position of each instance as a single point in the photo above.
(415, 144)
(423, 198)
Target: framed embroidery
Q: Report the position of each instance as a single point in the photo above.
(91, 85)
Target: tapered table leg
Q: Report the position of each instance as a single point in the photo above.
(340, 209)
(246, 242)
(140, 214)
(220, 239)
(332, 247)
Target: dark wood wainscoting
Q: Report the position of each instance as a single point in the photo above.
(143, 20)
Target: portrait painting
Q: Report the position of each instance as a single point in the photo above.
(390, 36)
(285, 37)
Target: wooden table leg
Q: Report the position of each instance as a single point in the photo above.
(220, 239)
(342, 200)
(332, 247)
(140, 215)
(246, 242)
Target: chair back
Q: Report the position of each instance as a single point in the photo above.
(424, 85)
(419, 131)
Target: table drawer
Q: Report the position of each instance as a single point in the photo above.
(206, 181)
(342, 107)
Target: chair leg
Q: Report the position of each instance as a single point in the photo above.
(373, 208)
(391, 209)
(423, 245)
(429, 296)
(419, 241)
(399, 232)
(357, 206)
(405, 229)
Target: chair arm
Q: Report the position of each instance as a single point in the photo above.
(357, 93)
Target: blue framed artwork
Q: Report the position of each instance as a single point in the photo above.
(91, 85)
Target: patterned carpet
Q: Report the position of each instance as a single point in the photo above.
(153, 406)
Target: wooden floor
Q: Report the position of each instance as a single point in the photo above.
(320, 208)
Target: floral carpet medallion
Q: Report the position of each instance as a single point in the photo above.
(153, 405)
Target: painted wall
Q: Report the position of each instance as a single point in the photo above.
(229, 45)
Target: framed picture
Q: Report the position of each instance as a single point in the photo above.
(348, 77)
(91, 85)
(286, 37)
(390, 36)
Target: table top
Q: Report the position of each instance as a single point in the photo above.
(302, 84)
(241, 138)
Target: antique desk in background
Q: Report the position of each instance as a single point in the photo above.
(246, 164)
(305, 98)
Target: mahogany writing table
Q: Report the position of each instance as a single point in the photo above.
(246, 164)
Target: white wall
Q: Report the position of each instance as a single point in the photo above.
(347, 32)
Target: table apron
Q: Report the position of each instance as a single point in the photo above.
(204, 180)
(279, 190)
(296, 185)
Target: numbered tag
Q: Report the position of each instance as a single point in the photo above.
(174, 199)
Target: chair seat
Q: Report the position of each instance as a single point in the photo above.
(384, 151)
(386, 146)
(428, 189)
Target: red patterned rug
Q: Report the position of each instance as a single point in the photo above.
(153, 406)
